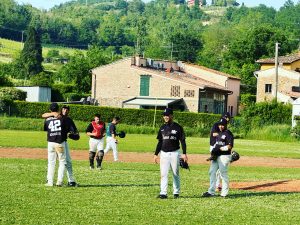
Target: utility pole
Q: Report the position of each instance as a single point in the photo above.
(22, 38)
(276, 69)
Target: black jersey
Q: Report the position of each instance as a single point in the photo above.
(225, 138)
(69, 126)
(55, 129)
(214, 129)
(169, 136)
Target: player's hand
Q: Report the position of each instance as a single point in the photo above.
(184, 157)
(155, 159)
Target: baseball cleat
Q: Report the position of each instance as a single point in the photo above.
(176, 195)
(162, 196)
(72, 184)
(207, 194)
(92, 167)
(99, 167)
(59, 184)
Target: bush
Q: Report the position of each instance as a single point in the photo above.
(15, 93)
(137, 117)
(265, 113)
(58, 91)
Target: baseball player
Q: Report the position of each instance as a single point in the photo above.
(169, 136)
(222, 148)
(111, 138)
(56, 147)
(96, 131)
(71, 127)
(213, 134)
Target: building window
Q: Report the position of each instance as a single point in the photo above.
(144, 85)
(189, 93)
(175, 91)
(268, 88)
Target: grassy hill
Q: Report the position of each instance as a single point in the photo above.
(11, 49)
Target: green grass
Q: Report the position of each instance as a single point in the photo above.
(124, 193)
(147, 143)
(13, 49)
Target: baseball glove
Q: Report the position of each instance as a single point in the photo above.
(122, 134)
(74, 136)
(183, 164)
(234, 156)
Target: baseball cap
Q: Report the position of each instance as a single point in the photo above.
(168, 112)
(54, 107)
(223, 122)
(226, 114)
(66, 107)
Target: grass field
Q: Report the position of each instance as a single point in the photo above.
(125, 193)
(147, 143)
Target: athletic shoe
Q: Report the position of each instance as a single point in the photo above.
(162, 196)
(99, 167)
(48, 185)
(59, 184)
(92, 167)
(72, 184)
(207, 194)
(176, 195)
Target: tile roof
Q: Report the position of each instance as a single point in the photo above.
(184, 77)
(281, 59)
(214, 71)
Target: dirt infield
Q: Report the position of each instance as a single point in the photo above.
(276, 186)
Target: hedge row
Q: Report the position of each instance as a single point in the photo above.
(138, 117)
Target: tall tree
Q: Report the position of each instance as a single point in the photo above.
(31, 56)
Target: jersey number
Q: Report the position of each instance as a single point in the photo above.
(54, 125)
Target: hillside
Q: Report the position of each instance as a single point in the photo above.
(9, 50)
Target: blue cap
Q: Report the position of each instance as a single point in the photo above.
(168, 112)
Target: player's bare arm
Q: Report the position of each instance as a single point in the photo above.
(50, 114)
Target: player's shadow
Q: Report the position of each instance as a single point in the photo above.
(241, 195)
(115, 185)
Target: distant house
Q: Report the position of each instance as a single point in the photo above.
(146, 83)
(288, 79)
(37, 93)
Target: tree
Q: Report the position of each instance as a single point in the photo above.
(30, 60)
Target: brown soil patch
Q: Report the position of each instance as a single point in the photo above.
(268, 186)
(276, 186)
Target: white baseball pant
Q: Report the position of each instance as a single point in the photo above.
(168, 159)
(69, 167)
(222, 163)
(96, 144)
(218, 181)
(111, 144)
(52, 155)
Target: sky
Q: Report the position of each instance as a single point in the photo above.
(47, 4)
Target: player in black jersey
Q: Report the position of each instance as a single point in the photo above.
(56, 129)
(222, 148)
(169, 136)
(70, 127)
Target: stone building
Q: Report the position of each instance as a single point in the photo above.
(288, 77)
(146, 83)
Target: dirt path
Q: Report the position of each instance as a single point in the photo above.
(265, 186)
(41, 153)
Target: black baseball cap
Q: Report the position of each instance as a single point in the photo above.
(168, 112)
(223, 122)
(53, 107)
(226, 115)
